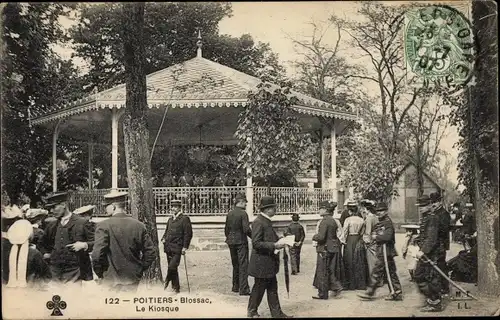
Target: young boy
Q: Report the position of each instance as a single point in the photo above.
(296, 229)
(410, 249)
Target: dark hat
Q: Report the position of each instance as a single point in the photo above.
(266, 202)
(240, 197)
(176, 203)
(295, 217)
(328, 205)
(381, 206)
(56, 198)
(423, 200)
(368, 203)
(115, 197)
(85, 210)
(435, 196)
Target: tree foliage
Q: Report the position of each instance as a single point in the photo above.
(34, 77)
(170, 37)
(269, 134)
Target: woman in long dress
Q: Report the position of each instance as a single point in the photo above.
(356, 269)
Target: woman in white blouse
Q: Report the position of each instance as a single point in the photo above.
(356, 269)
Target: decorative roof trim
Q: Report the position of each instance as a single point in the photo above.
(118, 104)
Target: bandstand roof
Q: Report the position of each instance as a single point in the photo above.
(196, 83)
(196, 92)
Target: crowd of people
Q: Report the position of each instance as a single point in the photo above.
(354, 252)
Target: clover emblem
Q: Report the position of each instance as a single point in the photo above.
(56, 305)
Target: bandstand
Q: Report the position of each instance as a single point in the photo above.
(199, 102)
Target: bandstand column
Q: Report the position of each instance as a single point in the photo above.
(114, 148)
(249, 189)
(54, 156)
(322, 159)
(333, 141)
(91, 165)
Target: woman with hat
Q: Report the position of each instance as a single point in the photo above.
(328, 250)
(264, 262)
(356, 269)
(352, 208)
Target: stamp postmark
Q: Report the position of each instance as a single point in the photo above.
(439, 47)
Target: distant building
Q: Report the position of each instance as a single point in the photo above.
(403, 207)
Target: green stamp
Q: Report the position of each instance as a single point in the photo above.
(439, 47)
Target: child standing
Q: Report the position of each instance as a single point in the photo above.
(296, 229)
(410, 249)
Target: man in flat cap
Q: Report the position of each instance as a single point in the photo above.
(86, 213)
(237, 229)
(66, 242)
(176, 241)
(371, 221)
(428, 279)
(297, 230)
(384, 236)
(123, 250)
(264, 262)
(444, 235)
(328, 248)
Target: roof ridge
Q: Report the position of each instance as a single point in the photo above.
(217, 66)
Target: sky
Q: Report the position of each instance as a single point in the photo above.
(276, 22)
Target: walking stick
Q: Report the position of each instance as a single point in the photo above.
(386, 263)
(433, 264)
(186, 269)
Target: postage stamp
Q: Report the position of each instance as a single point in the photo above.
(439, 47)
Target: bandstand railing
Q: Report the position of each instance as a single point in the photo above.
(214, 201)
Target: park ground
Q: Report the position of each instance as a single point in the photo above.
(210, 271)
(210, 278)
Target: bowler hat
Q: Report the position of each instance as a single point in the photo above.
(56, 198)
(240, 197)
(85, 210)
(115, 197)
(176, 203)
(435, 196)
(266, 202)
(381, 206)
(423, 200)
(295, 217)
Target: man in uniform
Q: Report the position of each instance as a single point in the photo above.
(427, 278)
(264, 262)
(123, 250)
(176, 240)
(384, 235)
(237, 229)
(444, 235)
(328, 246)
(66, 242)
(86, 213)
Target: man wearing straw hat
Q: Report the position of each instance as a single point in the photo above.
(66, 241)
(264, 263)
(123, 250)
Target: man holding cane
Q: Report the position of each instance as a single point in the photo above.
(176, 241)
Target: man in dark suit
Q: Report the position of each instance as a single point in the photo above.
(66, 242)
(264, 262)
(444, 235)
(237, 230)
(123, 250)
(86, 213)
(176, 240)
(327, 248)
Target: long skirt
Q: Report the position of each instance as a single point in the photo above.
(328, 266)
(463, 267)
(356, 268)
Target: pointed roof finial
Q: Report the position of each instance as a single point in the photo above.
(199, 44)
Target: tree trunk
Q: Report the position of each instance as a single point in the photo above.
(135, 131)
(483, 99)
